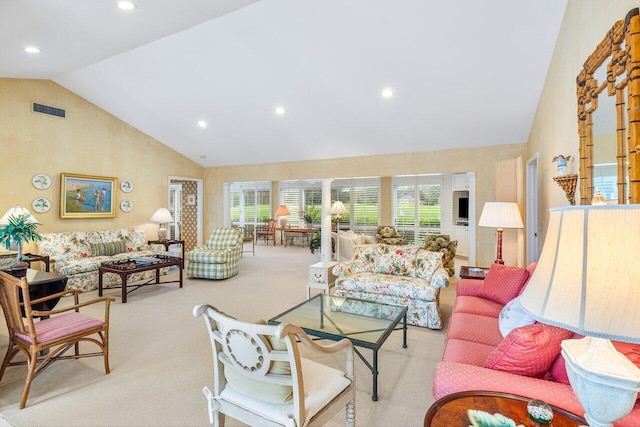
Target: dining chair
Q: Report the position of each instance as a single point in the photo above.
(46, 341)
(260, 379)
(247, 237)
(268, 233)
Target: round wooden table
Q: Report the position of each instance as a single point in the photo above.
(451, 410)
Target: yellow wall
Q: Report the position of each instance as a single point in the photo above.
(88, 141)
(555, 127)
(479, 160)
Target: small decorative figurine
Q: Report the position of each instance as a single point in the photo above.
(563, 162)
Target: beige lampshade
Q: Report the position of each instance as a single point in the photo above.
(501, 215)
(15, 212)
(338, 208)
(162, 215)
(586, 279)
(282, 210)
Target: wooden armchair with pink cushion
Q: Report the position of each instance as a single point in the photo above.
(493, 344)
(58, 330)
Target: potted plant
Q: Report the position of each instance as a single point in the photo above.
(309, 215)
(16, 230)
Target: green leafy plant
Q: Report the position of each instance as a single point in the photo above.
(19, 229)
(310, 214)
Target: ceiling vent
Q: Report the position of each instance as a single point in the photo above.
(45, 109)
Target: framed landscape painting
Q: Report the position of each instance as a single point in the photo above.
(86, 196)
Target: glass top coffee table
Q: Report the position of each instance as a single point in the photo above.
(366, 324)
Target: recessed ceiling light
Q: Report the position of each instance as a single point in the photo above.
(202, 156)
(202, 123)
(280, 110)
(31, 49)
(387, 92)
(126, 5)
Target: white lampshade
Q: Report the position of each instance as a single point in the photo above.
(15, 212)
(586, 281)
(501, 215)
(586, 278)
(338, 208)
(162, 215)
(282, 210)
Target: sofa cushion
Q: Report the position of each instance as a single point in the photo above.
(400, 286)
(426, 263)
(513, 316)
(396, 260)
(470, 353)
(475, 328)
(502, 283)
(108, 248)
(528, 350)
(475, 305)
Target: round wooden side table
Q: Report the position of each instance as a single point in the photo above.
(451, 410)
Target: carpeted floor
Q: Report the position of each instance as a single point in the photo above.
(161, 358)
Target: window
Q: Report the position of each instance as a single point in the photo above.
(363, 214)
(361, 197)
(417, 205)
(250, 202)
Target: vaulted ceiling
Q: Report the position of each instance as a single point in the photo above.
(462, 72)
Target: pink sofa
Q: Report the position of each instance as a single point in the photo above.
(473, 335)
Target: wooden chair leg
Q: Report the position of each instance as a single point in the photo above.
(33, 360)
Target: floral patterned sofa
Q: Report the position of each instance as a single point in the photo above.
(78, 254)
(407, 275)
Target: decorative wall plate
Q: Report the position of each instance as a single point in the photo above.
(126, 205)
(41, 181)
(126, 186)
(41, 205)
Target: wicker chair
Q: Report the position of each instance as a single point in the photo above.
(443, 243)
(57, 334)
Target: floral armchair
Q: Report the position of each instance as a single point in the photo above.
(443, 243)
(388, 235)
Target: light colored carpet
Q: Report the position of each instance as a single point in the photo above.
(160, 356)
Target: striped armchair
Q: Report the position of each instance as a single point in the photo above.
(219, 258)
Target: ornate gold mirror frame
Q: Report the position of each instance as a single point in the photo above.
(619, 52)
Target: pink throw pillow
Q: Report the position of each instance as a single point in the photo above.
(528, 350)
(558, 371)
(502, 283)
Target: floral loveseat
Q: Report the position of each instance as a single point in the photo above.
(78, 254)
(492, 344)
(406, 275)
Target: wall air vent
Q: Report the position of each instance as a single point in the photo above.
(45, 109)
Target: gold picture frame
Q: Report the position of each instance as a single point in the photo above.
(87, 196)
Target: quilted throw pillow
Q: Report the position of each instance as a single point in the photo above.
(513, 316)
(502, 283)
(528, 350)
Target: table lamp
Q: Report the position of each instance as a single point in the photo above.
(338, 209)
(586, 281)
(162, 216)
(282, 213)
(18, 225)
(500, 215)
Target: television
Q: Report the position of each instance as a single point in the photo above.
(463, 208)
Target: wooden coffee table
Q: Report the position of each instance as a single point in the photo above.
(451, 410)
(125, 268)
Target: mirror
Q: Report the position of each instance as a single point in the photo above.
(609, 116)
